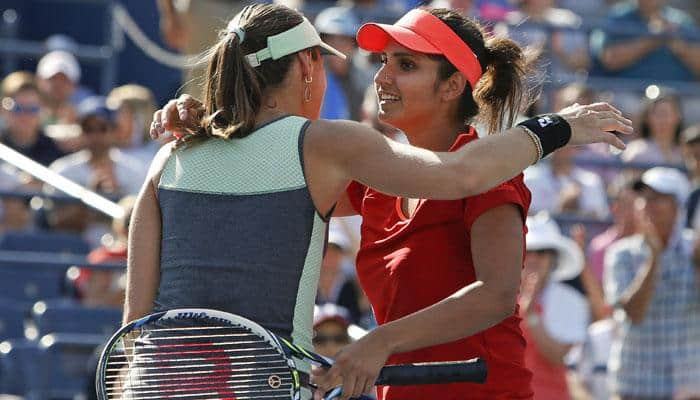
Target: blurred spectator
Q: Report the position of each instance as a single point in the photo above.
(135, 106)
(59, 78)
(621, 196)
(97, 287)
(464, 7)
(555, 316)
(191, 26)
(647, 39)
(559, 186)
(598, 152)
(21, 110)
(100, 166)
(337, 27)
(331, 324)
(14, 212)
(592, 364)
(691, 153)
(652, 282)
(334, 285)
(553, 34)
(661, 123)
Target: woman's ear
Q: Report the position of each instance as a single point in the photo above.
(454, 87)
(306, 61)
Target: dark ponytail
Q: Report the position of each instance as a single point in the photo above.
(233, 89)
(501, 93)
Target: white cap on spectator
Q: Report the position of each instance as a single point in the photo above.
(543, 233)
(665, 181)
(331, 312)
(337, 21)
(59, 61)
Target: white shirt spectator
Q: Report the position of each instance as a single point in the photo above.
(128, 171)
(565, 313)
(546, 189)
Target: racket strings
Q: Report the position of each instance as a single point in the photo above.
(203, 362)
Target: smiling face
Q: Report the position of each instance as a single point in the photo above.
(406, 88)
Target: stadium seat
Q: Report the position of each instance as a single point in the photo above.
(19, 369)
(11, 319)
(66, 316)
(27, 284)
(69, 357)
(55, 242)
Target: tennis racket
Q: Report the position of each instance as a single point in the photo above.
(206, 354)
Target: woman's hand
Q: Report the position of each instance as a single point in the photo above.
(598, 122)
(357, 366)
(180, 116)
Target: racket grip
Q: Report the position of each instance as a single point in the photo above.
(431, 373)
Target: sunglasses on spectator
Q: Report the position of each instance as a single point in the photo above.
(323, 339)
(14, 107)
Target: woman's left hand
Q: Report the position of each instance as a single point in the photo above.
(357, 366)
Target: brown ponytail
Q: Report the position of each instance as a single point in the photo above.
(233, 89)
(501, 93)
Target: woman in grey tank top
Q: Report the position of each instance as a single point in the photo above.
(232, 216)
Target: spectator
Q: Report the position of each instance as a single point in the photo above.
(555, 316)
(331, 324)
(100, 166)
(337, 27)
(14, 212)
(661, 123)
(21, 110)
(561, 186)
(334, 285)
(647, 39)
(191, 26)
(691, 153)
(134, 105)
(582, 94)
(651, 281)
(97, 287)
(553, 34)
(59, 76)
(622, 196)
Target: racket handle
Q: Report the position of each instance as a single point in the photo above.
(430, 373)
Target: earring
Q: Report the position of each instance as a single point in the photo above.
(307, 89)
(307, 94)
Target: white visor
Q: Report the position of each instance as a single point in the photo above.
(302, 36)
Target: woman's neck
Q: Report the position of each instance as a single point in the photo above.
(438, 134)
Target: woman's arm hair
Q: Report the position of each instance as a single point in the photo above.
(143, 267)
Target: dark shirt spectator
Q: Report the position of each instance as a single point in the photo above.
(21, 110)
(648, 40)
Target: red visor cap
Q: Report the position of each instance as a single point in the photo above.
(423, 32)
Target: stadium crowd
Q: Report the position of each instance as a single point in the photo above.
(610, 295)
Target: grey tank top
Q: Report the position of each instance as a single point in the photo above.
(239, 230)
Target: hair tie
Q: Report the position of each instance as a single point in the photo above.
(236, 30)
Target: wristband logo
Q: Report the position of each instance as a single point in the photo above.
(544, 121)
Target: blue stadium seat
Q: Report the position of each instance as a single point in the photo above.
(27, 284)
(11, 319)
(20, 372)
(55, 242)
(66, 316)
(68, 356)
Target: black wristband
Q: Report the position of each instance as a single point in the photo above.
(552, 130)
